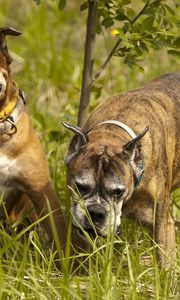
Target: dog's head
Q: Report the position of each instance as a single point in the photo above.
(5, 60)
(102, 174)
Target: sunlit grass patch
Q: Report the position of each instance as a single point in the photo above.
(116, 268)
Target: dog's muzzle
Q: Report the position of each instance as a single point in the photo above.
(94, 219)
(97, 214)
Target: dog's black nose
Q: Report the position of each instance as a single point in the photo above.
(1, 87)
(97, 214)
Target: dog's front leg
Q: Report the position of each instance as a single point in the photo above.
(165, 233)
(46, 204)
(34, 179)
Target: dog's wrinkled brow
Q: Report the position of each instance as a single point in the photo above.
(86, 177)
(113, 184)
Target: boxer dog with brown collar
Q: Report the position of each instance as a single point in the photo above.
(125, 161)
(25, 182)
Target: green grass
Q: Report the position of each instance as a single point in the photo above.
(47, 65)
(117, 268)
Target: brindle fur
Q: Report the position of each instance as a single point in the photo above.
(156, 105)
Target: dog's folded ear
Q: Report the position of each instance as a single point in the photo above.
(3, 46)
(9, 31)
(134, 156)
(78, 141)
(130, 146)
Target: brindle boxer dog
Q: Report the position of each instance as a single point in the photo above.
(126, 161)
(24, 176)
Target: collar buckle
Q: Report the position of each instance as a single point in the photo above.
(10, 119)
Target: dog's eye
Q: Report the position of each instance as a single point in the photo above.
(83, 189)
(117, 193)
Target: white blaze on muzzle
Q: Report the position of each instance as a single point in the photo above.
(118, 214)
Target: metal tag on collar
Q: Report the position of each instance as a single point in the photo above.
(10, 119)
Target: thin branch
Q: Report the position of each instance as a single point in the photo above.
(141, 12)
(107, 60)
(88, 62)
(96, 76)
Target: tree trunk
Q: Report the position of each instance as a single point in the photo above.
(88, 62)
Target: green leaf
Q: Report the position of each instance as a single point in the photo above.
(56, 135)
(135, 36)
(62, 4)
(38, 2)
(125, 2)
(147, 23)
(98, 27)
(144, 47)
(177, 43)
(122, 51)
(121, 17)
(174, 52)
(108, 22)
(169, 9)
(138, 68)
(130, 13)
(84, 6)
(129, 61)
(138, 51)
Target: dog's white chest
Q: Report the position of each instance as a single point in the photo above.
(8, 170)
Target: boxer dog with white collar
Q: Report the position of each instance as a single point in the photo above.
(25, 183)
(125, 161)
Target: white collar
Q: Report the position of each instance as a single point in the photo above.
(119, 124)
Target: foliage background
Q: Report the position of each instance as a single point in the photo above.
(47, 65)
